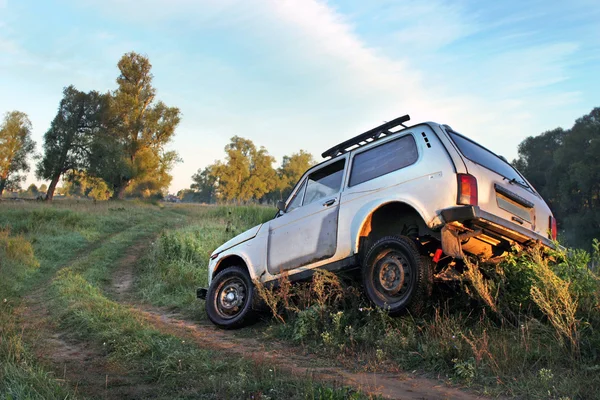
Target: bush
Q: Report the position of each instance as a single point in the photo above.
(545, 318)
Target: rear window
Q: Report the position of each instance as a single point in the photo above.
(486, 158)
(383, 159)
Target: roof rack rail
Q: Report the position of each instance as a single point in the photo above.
(367, 137)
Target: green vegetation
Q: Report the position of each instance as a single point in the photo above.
(15, 147)
(528, 327)
(62, 255)
(562, 165)
(177, 262)
(247, 174)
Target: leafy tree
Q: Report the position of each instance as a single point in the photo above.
(247, 174)
(204, 186)
(31, 192)
(15, 146)
(80, 184)
(67, 144)
(291, 170)
(563, 166)
(139, 128)
(43, 188)
(536, 162)
(187, 195)
(153, 172)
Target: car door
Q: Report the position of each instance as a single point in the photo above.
(307, 231)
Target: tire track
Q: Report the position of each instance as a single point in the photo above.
(275, 354)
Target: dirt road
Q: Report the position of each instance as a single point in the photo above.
(277, 354)
(90, 372)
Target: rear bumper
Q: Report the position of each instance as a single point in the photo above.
(475, 218)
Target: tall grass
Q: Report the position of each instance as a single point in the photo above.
(545, 346)
(177, 262)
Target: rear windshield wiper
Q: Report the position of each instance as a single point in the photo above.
(514, 180)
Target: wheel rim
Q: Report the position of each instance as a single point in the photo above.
(231, 297)
(392, 276)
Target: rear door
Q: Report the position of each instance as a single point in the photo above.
(502, 190)
(307, 231)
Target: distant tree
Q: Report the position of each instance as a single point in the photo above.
(80, 184)
(43, 188)
(204, 186)
(67, 144)
(15, 147)
(187, 195)
(536, 162)
(32, 192)
(153, 174)
(140, 128)
(291, 170)
(563, 166)
(247, 173)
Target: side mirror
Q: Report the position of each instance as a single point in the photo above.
(281, 205)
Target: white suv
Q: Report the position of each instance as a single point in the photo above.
(397, 202)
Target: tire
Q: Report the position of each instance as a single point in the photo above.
(229, 298)
(396, 277)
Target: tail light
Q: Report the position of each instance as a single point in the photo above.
(467, 190)
(552, 227)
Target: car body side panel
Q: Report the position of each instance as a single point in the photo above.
(242, 237)
(253, 252)
(429, 185)
(303, 236)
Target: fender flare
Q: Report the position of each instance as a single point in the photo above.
(362, 216)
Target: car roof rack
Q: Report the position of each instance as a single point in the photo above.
(366, 138)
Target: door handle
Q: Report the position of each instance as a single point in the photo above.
(329, 202)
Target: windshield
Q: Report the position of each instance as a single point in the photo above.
(486, 158)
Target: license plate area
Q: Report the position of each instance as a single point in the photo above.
(514, 204)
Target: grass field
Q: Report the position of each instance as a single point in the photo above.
(528, 328)
(56, 263)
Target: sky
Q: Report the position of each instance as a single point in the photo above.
(308, 74)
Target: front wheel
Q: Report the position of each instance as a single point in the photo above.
(395, 276)
(229, 298)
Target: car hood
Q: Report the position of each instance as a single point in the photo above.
(242, 237)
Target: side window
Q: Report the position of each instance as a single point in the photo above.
(324, 182)
(383, 159)
(297, 200)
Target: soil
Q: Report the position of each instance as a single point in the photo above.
(86, 369)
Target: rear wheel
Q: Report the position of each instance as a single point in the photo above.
(395, 275)
(229, 298)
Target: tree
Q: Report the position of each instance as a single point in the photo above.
(247, 173)
(291, 170)
(67, 144)
(187, 195)
(204, 186)
(15, 147)
(31, 192)
(153, 173)
(536, 162)
(563, 166)
(80, 184)
(139, 126)
(43, 188)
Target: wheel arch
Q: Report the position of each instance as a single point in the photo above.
(387, 218)
(230, 261)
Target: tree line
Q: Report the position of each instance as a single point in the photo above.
(110, 142)
(247, 175)
(563, 165)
